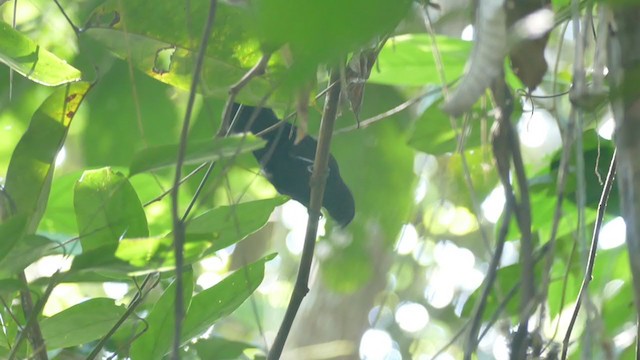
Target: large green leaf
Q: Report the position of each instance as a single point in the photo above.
(207, 233)
(222, 299)
(32, 163)
(28, 249)
(408, 60)
(107, 209)
(162, 40)
(434, 134)
(160, 157)
(59, 218)
(79, 324)
(33, 62)
(346, 26)
(221, 349)
(156, 341)
(226, 225)
(11, 231)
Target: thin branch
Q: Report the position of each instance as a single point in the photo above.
(32, 328)
(257, 70)
(133, 305)
(227, 166)
(563, 171)
(167, 192)
(76, 29)
(405, 105)
(178, 224)
(472, 338)
(586, 280)
(317, 184)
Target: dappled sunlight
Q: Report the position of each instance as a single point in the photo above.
(612, 234)
(411, 317)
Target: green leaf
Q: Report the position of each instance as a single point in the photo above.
(156, 341)
(223, 298)
(214, 230)
(346, 26)
(8, 286)
(156, 253)
(107, 209)
(79, 324)
(221, 349)
(162, 40)
(32, 163)
(160, 157)
(24, 252)
(60, 218)
(226, 225)
(11, 231)
(33, 62)
(507, 278)
(408, 60)
(433, 132)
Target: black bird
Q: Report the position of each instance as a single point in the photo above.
(288, 165)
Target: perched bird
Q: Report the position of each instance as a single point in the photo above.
(288, 165)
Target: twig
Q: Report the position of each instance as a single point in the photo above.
(178, 224)
(212, 164)
(563, 171)
(167, 192)
(405, 105)
(76, 29)
(586, 280)
(257, 70)
(472, 338)
(133, 305)
(317, 185)
(32, 328)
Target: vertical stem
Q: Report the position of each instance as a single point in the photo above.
(317, 184)
(178, 223)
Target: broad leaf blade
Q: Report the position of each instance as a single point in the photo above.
(207, 233)
(226, 225)
(107, 209)
(222, 299)
(161, 157)
(408, 60)
(33, 62)
(156, 341)
(32, 163)
(81, 323)
(221, 349)
(162, 40)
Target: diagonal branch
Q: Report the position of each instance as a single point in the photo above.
(317, 184)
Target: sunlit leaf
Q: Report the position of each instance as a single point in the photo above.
(435, 134)
(409, 60)
(346, 27)
(29, 249)
(226, 225)
(11, 231)
(156, 341)
(32, 163)
(207, 233)
(107, 209)
(160, 157)
(223, 298)
(162, 40)
(81, 323)
(221, 349)
(33, 62)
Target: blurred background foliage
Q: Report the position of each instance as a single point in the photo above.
(397, 283)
